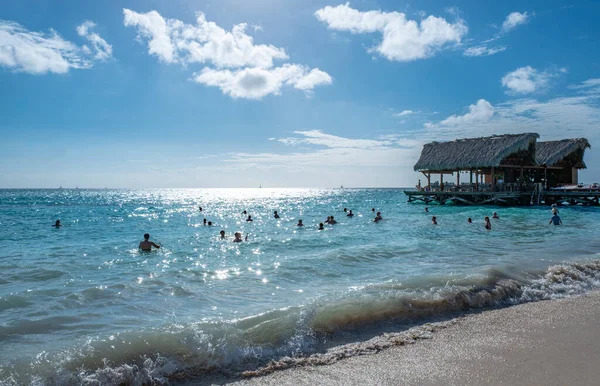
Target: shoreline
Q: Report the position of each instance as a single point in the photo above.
(551, 342)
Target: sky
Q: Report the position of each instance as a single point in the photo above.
(283, 93)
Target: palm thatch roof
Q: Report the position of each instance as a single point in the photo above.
(476, 153)
(569, 151)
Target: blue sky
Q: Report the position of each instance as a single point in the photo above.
(294, 93)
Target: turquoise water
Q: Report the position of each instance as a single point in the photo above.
(81, 305)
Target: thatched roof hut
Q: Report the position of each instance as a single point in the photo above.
(566, 152)
(477, 153)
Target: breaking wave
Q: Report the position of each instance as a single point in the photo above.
(316, 333)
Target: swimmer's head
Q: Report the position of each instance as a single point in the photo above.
(222, 233)
(146, 236)
(209, 223)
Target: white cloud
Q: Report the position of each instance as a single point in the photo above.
(403, 39)
(557, 118)
(101, 47)
(240, 68)
(174, 41)
(513, 20)
(482, 111)
(349, 161)
(483, 50)
(39, 53)
(317, 137)
(255, 83)
(588, 86)
(526, 80)
(405, 112)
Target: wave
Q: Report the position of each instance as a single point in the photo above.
(315, 333)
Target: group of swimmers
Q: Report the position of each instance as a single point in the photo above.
(556, 220)
(146, 244)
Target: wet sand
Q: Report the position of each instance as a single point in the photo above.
(545, 343)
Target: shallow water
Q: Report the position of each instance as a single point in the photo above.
(80, 304)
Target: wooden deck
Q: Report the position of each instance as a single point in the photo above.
(505, 198)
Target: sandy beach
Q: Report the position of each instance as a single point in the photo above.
(545, 343)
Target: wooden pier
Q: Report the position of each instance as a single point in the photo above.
(517, 198)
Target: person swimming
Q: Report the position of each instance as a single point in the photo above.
(57, 224)
(345, 210)
(276, 215)
(300, 224)
(426, 209)
(350, 214)
(488, 224)
(200, 208)
(222, 233)
(244, 212)
(238, 237)
(204, 221)
(332, 221)
(469, 220)
(434, 220)
(210, 223)
(321, 227)
(495, 215)
(328, 220)
(555, 220)
(147, 245)
(372, 209)
(378, 217)
(249, 219)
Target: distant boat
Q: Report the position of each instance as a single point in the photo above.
(260, 186)
(342, 187)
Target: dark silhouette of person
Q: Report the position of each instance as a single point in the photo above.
(147, 245)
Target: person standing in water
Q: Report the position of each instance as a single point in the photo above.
(238, 237)
(147, 245)
(332, 221)
(555, 220)
(300, 223)
(350, 214)
(249, 219)
(426, 209)
(469, 220)
(488, 224)
(378, 217)
(321, 227)
(204, 221)
(276, 215)
(222, 233)
(495, 215)
(434, 220)
(57, 224)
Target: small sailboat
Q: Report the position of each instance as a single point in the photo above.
(342, 187)
(260, 186)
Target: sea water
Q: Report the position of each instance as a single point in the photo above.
(80, 304)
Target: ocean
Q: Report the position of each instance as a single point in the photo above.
(81, 305)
